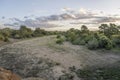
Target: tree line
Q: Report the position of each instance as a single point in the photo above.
(107, 37)
(22, 33)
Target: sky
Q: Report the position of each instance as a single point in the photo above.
(21, 8)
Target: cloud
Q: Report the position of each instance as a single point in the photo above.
(68, 10)
(68, 16)
(83, 11)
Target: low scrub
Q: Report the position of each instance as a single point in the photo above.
(104, 38)
(66, 76)
(93, 44)
(112, 73)
(60, 41)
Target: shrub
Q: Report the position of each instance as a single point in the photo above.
(6, 39)
(82, 42)
(105, 42)
(76, 41)
(112, 73)
(39, 32)
(25, 32)
(58, 36)
(93, 44)
(60, 41)
(6, 32)
(73, 36)
(73, 68)
(1, 37)
(116, 39)
(88, 38)
(17, 36)
(83, 73)
(66, 76)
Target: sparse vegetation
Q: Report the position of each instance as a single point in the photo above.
(22, 33)
(109, 73)
(107, 37)
(66, 76)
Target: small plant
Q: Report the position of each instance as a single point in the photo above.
(60, 41)
(73, 68)
(57, 63)
(58, 36)
(6, 39)
(66, 76)
(1, 38)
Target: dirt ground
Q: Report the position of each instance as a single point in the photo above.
(65, 56)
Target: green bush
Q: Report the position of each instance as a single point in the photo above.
(17, 36)
(82, 42)
(105, 42)
(116, 39)
(72, 36)
(101, 39)
(6, 39)
(66, 76)
(89, 37)
(25, 32)
(58, 36)
(112, 73)
(39, 32)
(2, 37)
(6, 32)
(76, 41)
(60, 41)
(93, 44)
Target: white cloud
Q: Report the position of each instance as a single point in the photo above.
(83, 11)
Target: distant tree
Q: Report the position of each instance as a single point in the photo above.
(114, 29)
(6, 32)
(116, 40)
(84, 29)
(25, 32)
(109, 30)
(39, 32)
(103, 28)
